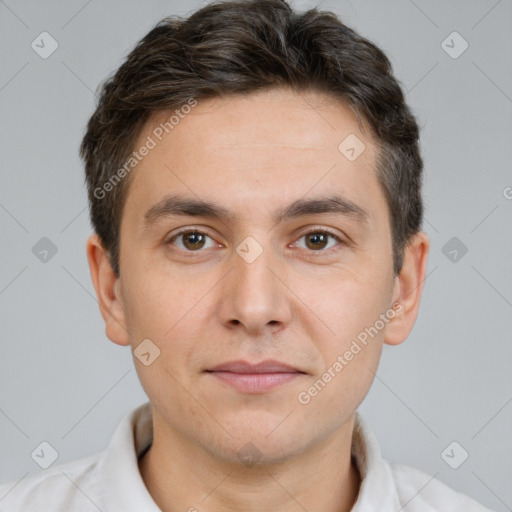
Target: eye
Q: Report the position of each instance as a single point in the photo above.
(317, 240)
(193, 240)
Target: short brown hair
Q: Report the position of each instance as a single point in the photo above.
(239, 47)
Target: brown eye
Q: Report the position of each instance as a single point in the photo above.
(190, 240)
(318, 240)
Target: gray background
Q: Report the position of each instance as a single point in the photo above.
(63, 381)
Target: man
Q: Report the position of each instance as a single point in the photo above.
(254, 182)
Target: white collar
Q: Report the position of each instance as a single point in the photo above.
(378, 490)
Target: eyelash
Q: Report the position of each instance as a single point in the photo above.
(313, 231)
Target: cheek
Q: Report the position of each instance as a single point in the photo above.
(348, 306)
(352, 309)
(158, 303)
(349, 361)
(170, 312)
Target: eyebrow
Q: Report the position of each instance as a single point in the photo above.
(173, 205)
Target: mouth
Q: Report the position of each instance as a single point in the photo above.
(255, 378)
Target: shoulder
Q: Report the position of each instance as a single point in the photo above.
(68, 486)
(422, 492)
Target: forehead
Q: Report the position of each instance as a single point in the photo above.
(313, 121)
(265, 147)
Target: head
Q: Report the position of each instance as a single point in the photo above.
(286, 145)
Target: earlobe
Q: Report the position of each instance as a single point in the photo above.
(408, 288)
(107, 286)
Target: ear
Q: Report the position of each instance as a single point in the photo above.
(107, 286)
(407, 289)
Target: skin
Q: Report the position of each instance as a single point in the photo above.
(297, 302)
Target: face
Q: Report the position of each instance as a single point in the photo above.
(288, 264)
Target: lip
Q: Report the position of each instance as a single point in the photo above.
(267, 366)
(255, 378)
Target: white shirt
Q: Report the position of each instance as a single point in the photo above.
(110, 481)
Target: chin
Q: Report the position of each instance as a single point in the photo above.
(262, 438)
(257, 452)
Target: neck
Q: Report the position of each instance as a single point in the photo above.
(182, 477)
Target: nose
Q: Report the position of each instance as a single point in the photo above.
(255, 296)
